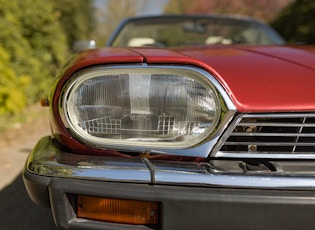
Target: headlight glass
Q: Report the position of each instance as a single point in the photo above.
(150, 107)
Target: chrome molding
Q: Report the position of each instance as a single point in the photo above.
(272, 136)
(42, 161)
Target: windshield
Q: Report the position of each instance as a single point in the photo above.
(182, 31)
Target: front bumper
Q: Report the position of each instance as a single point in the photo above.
(215, 195)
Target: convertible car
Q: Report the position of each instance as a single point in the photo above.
(181, 122)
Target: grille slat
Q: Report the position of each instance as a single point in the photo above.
(270, 136)
(276, 124)
(269, 144)
(274, 134)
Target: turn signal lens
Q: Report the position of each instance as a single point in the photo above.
(117, 210)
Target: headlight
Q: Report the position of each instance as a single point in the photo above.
(145, 107)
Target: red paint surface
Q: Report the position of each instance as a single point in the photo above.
(258, 79)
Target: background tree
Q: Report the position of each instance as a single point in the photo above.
(34, 43)
(48, 49)
(12, 97)
(296, 22)
(77, 19)
(111, 13)
(261, 9)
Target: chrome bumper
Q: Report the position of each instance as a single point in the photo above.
(215, 195)
(289, 175)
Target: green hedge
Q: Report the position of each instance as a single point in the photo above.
(34, 44)
(12, 88)
(296, 22)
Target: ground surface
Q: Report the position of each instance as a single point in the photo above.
(17, 142)
(17, 211)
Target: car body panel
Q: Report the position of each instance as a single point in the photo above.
(289, 53)
(95, 57)
(270, 84)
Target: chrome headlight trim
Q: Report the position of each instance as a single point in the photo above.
(199, 147)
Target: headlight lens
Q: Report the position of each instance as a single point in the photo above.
(148, 107)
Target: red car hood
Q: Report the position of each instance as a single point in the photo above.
(258, 79)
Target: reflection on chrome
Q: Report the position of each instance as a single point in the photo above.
(43, 161)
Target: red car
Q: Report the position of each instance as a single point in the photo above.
(181, 122)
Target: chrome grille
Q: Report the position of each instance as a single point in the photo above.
(270, 136)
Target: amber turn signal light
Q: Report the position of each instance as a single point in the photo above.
(117, 210)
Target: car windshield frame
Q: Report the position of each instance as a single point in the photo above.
(188, 30)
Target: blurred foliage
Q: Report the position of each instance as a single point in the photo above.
(112, 13)
(35, 41)
(293, 19)
(296, 22)
(263, 10)
(12, 97)
(77, 18)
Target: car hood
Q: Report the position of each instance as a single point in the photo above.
(258, 79)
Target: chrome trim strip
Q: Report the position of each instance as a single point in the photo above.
(276, 124)
(273, 134)
(278, 115)
(42, 161)
(269, 155)
(237, 181)
(269, 144)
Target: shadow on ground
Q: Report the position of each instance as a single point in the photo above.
(17, 211)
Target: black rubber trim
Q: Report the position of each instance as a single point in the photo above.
(37, 188)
